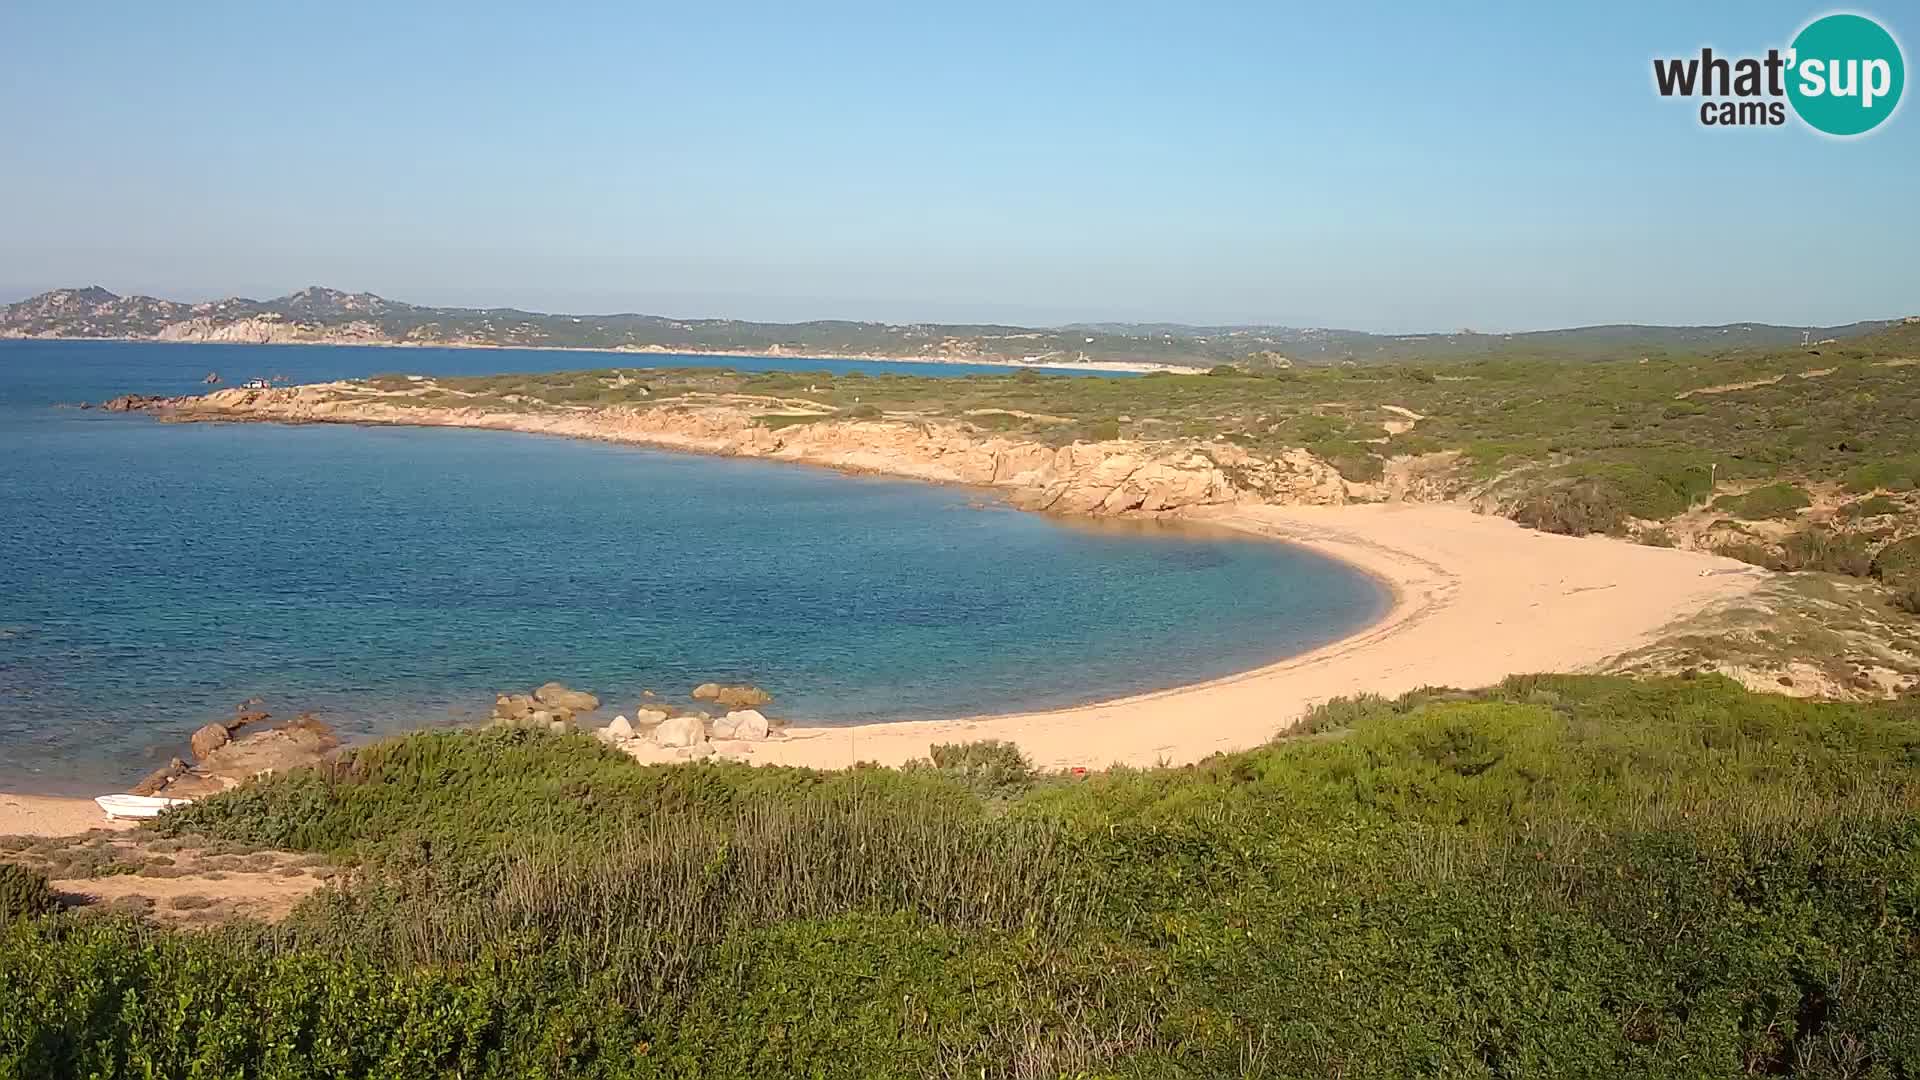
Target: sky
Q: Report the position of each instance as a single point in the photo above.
(1378, 166)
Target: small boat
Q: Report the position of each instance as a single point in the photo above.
(136, 806)
(256, 384)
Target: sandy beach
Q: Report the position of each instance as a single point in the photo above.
(51, 815)
(1478, 598)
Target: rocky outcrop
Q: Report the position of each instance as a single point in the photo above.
(552, 708)
(558, 696)
(267, 329)
(209, 738)
(733, 697)
(301, 741)
(1109, 478)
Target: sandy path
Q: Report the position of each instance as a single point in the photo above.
(1479, 598)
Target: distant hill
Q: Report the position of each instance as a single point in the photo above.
(329, 316)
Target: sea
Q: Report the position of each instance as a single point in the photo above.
(153, 576)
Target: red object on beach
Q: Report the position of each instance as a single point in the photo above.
(1079, 770)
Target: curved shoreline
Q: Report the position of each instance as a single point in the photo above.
(1473, 599)
(1476, 599)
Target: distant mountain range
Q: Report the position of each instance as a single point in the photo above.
(328, 316)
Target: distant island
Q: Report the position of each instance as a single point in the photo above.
(325, 316)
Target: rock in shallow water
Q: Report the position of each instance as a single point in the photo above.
(209, 738)
(558, 696)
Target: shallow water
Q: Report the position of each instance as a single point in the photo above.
(153, 575)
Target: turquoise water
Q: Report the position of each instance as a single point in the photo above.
(153, 575)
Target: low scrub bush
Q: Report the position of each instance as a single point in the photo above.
(24, 893)
(1899, 562)
(1872, 506)
(1574, 509)
(1764, 503)
(1897, 474)
(1826, 551)
(1558, 875)
(989, 766)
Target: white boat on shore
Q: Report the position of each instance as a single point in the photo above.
(136, 806)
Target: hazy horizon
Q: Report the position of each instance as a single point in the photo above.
(9, 296)
(1398, 169)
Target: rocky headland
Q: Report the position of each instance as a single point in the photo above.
(1105, 478)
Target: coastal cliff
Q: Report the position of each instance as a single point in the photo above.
(1102, 478)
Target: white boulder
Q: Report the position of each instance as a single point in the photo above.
(680, 731)
(743, 724)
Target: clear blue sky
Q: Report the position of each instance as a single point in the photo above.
(1378, 166)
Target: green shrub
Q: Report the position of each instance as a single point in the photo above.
(1103, 430)
(1352, 461)
(990, 766)
(1572, 509)
(1826, 551)
(1873, 506)
(1899, 562)
(1898, 474)
(1763, 503)
(864, 412)
(1558, 875)
(24, 893)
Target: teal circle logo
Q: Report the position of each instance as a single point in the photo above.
(1846, 75)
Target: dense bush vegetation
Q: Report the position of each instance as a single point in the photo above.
(24, 893)
(1780, 500)
(1560, 876)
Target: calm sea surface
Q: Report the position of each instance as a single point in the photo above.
(153, 575)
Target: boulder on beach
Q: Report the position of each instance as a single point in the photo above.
(620, 730)
(650, 717)
(558, 696)
(680, 731)
(741, 724)
(209, 738)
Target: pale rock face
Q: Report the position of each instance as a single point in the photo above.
(1095, 478)
(680, 731)
(743, 724)
(647, 718)
(620, 729)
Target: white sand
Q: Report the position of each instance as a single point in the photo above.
(1478, 598)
